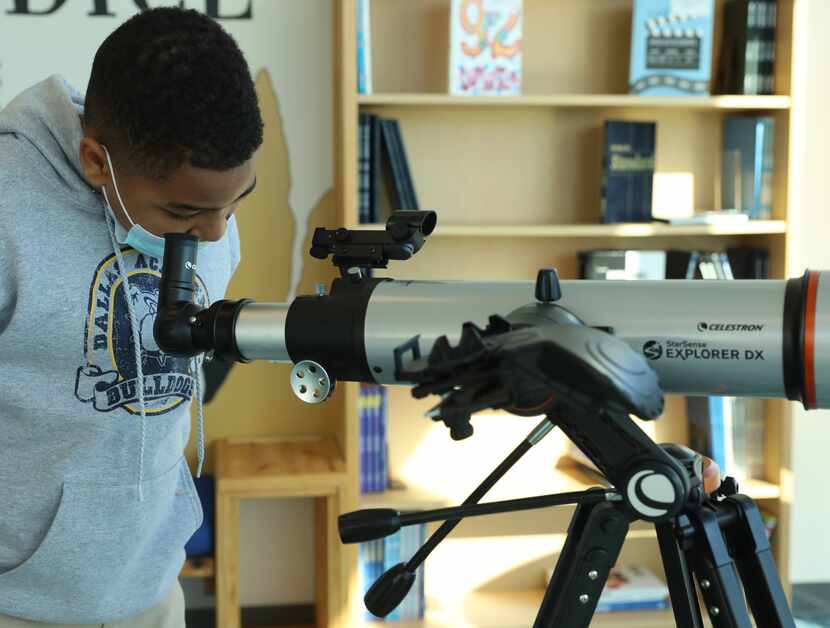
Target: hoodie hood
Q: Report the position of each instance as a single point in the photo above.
(48, 116)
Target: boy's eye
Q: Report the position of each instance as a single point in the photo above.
(175, 216)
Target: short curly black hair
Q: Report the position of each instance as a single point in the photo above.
(171, 86)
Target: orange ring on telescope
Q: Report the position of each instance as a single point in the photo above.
(810, 341)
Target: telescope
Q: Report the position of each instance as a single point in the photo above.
(588, 355)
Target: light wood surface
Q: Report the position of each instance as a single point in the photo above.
(623, 101)
(280, 467)
(621, 230)
(518, 609)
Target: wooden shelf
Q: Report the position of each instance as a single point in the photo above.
(585, 101)
(624, 230)
(294, 466)
(403, 499)
(202, 567)
(518, 609)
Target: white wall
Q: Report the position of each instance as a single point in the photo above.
(810, 248)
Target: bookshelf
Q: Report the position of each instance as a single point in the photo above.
(727, 103)
(632, 230)
(515, 182)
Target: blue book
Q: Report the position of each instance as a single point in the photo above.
(383, 451)
(628, 171)
(632, 606)
(707, 427)
(364, 48)
(372, 441)
(361, 415)
(748, 161)
(671, 47)
(717, 433)
(391, 557)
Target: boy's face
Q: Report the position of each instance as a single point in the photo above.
(191, 200)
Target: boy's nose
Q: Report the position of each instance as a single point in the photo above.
(212, 228)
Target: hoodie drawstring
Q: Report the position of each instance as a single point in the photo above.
(134, 328)
(200, 416)
(195, 363)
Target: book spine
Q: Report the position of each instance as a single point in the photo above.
(364, 436)
(391, 557)
(406, 171)
(377, 442)
(363, 169)
(384, 437)
(716, 432)
(375, 154)
(394, 168)
(628, 171)
(632, 606)
(766, 168)
(364, 48)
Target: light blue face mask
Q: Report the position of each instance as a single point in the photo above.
(138, 237)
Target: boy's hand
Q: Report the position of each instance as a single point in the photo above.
(711, 475)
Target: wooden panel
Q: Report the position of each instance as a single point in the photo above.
(728, 103)
(418, 61)
(541, 166)
(321, 563)
(624, 230)
(521, 258)
(227, 562)
(262, 458)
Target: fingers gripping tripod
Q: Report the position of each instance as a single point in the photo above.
(588, 383)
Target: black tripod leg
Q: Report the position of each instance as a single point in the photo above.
(748, 541)
(716, 572)
(679, 578)
(595, 538)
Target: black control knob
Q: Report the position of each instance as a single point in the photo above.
(547, 286)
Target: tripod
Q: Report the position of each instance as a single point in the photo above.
(542, 359)
(720, 541)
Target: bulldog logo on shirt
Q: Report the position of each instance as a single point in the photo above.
(109, 377)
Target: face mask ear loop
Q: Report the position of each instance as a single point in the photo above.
(115, 185)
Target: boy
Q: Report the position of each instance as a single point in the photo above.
(97, 498)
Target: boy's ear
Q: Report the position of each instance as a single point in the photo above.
(94, 162)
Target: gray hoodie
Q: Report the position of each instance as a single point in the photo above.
(96, 502)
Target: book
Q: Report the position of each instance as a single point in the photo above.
(630, 587)
(373, 440)
(375, 168)
(671, 47)
(378, 556)
(730, 431)
(749, 262)
(621, 264)
(722, 217)
(747, 55)
(618, 264)
(364, 47)
(485, 48)
(748, 162)
(628, 171)
(364, 167)
(398, 178)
